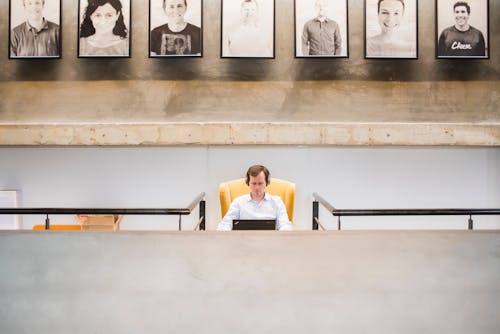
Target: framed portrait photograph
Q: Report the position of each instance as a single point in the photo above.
(391, 29)
(176, 28)
(247, 29)
(321, 28)
(104, 28)
(462, 29)
(35, 28)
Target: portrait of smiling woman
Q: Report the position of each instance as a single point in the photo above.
(391, 28)
(103, 32)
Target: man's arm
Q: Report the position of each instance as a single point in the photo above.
(481, 45)
(338, 41)
(441, 44)
(282, 217)
(305, 41)
(227, 222)
(155, 42)
(14, 41)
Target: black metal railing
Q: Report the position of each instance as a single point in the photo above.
(393, 212)
(199, 200)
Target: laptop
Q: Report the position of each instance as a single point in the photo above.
(254, 224)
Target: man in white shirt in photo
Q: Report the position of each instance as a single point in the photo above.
(257, 204)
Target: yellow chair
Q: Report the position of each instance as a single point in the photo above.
(100, 222)
(89, 222)
(231, 189)
(58, 227)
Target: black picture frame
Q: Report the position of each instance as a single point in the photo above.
(119, 48)
(306, 13)
(21, 40)
(165, 43)
(452, 41)
(391, 30)
(259, 43)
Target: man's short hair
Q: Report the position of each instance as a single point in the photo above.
(250, 1)
(43, 3)
(165, 4)
(255, 170)
(462, 3)
(379, 1)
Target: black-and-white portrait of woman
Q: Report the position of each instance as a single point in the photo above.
(247, 29)
(35, 29)
(175, 28)
(391, 29)
(462, 29)
(104, 29)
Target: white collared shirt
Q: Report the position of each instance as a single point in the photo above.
(243, 207)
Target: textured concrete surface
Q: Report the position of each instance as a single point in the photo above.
(260, 282)
(253, 133)
(107, 101)
(246, 113)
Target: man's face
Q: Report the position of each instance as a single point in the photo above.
(321, 7)
(257, 185)
(390, 15)
(248, 10)
(461, 15)
(34, 8)
(175, 10)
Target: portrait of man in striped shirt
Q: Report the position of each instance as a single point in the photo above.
(35, 36)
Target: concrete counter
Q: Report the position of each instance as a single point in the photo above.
(250, 282)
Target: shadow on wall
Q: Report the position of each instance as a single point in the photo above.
(245, 69)
(104, 69)
(183, 68)
(393, 70)
(307, 69)
(343, 69)
(463, 70)
(36, 69)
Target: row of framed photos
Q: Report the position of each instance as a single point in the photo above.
(247, 28)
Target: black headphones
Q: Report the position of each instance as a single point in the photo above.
(256, 170)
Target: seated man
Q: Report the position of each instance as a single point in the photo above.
(258, 204)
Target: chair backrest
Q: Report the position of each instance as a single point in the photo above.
(100, 222)
(229, 190)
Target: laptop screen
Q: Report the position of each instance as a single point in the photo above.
(254, 224)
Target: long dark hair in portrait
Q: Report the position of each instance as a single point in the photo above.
(87, 28)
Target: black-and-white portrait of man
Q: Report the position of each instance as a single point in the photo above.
(248, 28)
(35, 29)
(177, 28)
(461, 28)
(321, 28)
(391, 28)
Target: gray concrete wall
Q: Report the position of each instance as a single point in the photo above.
(267, 282)
(349, 101)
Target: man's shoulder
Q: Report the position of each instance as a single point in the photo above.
(192, 27)
(161, 28)
(475, 30)
(274, 198)
(241, 198)
(449, 29)
(52, 25)
(333, 22)
(19, 28)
